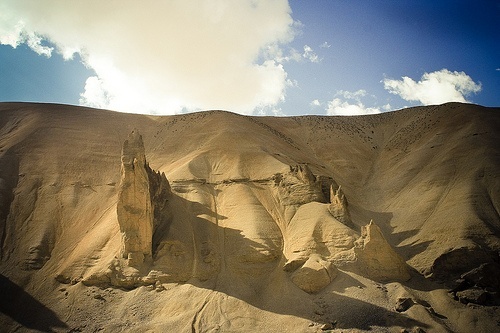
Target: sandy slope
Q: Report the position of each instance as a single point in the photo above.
(427, 176)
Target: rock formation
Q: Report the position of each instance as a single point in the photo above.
(313, 234)
(376, 258)
(480, 285)
(252, 234)
(315, 274)
(134, 211)
(141, 201)
(299, 186)
(159, 193)
(338, 206)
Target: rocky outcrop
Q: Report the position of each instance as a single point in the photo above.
(300, 186)
(159, 193)
(314, 243)
(480, 285)
(338, 206)
(376, 258)
(315, 274)
(141, 201)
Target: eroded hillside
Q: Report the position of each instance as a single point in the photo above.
(215, 221)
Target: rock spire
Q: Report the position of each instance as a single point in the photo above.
(338, 206)
(134, 211)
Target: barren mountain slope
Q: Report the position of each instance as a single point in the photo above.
(260, 223)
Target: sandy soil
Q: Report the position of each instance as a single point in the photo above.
(429, 178)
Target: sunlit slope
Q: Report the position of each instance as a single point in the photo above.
(427, 176)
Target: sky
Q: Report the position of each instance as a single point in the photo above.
(261, 57)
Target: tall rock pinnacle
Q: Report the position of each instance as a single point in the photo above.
(134, 211)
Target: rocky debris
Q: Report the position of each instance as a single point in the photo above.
(487, 275)
(376, 258)
(403, 304)
(326, 326)
(315, 274)
(477, 295)
(338, 206)
(473, 295)
(480, 285)
(414, 330)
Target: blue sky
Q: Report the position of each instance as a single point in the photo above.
(253, 57)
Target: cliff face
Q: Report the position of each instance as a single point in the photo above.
(263, 218)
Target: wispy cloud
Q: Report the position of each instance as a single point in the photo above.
(310, 55)
(434, 88)
(163, 57)
(292, 54)
(16, 34)
(325, 45)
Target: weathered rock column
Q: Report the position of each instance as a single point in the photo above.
(134, 211)
(376, 258)
(338, 206)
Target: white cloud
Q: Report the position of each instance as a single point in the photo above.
(325, 45)
(14, 34)
(315, 103)
(292, 83)
(277, 53)
(348, 103)
(310, 55)
(95, 94)
(339, 107)
(434, 88)
(355, 95)
(164, 56)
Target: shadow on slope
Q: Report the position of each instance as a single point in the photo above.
(251, 270)
(25, 309)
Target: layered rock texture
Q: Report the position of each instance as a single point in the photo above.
(213, 221)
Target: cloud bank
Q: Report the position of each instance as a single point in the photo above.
(162, 56)
(434, 88)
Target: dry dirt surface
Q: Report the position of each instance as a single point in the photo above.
(218, 222)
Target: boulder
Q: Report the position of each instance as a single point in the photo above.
(314, 275)
(403, 304)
